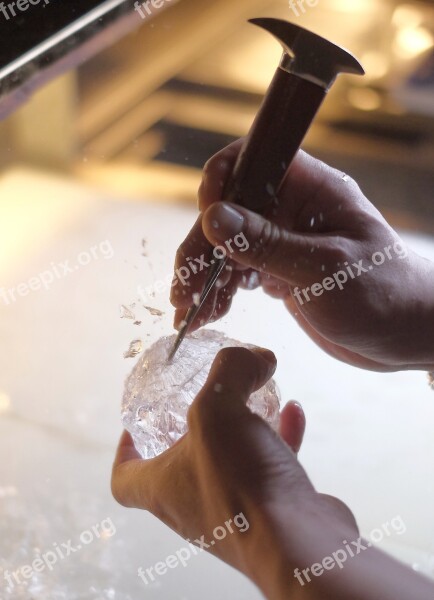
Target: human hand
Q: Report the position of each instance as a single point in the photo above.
(317, 250)
(232, 464)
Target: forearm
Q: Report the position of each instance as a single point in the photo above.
(371, 576)
(320, 568)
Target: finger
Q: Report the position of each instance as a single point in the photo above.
(203, 316)
(235, 374)
(293, 425)
(250, 279)
(226, 296)
(191, 263)
(145, 484)
(320, 198)
(305, 176)
(240, 372)
(217, 304)
(126, 450)
(238, 443)
(273, 287)
(267, 247)
(223, 302)
(216, 173)
(127, 479)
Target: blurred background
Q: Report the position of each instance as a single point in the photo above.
(144, 115)
(107, 118)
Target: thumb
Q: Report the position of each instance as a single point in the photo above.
(242, 445)
(256, 242)
(235, 374)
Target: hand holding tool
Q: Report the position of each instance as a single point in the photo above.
(308, 69)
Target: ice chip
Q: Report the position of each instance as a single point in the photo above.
(126, 312)
(135, 348)
(154, 311)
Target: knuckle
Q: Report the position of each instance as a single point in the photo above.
(336, 178)
(221, 161)
(353, 184)
(268, 244)
(340, 252)
(216, 163)
(338, 256)
(341, 176)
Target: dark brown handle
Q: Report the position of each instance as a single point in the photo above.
(276, 135)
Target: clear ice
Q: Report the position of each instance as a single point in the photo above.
(135, 348)
(126, 312)
(154, 311)
(157, 394)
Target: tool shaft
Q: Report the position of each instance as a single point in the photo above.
(276, 135)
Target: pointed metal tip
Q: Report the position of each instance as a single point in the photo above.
(172, 354)
(189, 318)
(179, 339)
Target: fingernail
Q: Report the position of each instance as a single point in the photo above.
(226, 222)
(297, 404)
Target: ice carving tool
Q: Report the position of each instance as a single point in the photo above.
(308, 69)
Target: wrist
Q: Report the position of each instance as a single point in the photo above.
(267, 558)
(415, 347)
(296, 538)
(276, 576)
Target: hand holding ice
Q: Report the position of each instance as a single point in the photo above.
(157, 395)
